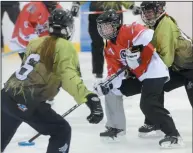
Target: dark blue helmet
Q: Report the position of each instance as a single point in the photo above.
(61, 23)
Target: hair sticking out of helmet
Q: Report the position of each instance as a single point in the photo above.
(61, 23)
(108, 24)
(152, 11)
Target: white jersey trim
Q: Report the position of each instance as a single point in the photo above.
(144, 37)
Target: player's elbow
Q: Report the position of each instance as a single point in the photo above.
(143, 38)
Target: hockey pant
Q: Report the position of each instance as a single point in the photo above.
(115, 111)
(178, 79)
(149, 104)
(44, 120)
(114, 103)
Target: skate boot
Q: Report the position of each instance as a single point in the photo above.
(112, 134)
(171, 142)
(149, 131)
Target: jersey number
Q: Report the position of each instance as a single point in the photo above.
(28, 66)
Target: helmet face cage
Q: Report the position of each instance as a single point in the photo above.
(107, 30)
(108, 24)
(152, 11)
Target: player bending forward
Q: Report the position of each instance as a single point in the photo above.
(51, 62)
(130, 45)
(175, 49)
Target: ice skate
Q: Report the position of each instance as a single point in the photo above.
(171, 142)
(149, 131)
(112, 134)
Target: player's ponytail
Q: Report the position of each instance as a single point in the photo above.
(47, 52)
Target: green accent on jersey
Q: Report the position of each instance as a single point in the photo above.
(44, 85)
(173, 46)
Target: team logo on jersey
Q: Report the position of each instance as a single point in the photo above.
(22, 107)
(123, 54)
(40, 28)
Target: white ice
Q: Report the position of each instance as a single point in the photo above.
(85, 136)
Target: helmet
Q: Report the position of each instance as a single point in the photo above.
(51, 5)
(108, 24)
(61, 23)
(152, 11)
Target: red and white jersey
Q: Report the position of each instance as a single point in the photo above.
(151, 65)
(31, 23)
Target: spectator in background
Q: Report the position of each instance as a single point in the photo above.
(97, 41)
(31, 23)
(12, 9)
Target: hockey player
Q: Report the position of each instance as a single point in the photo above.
(98, 46)
(31, 23)
(50, 62)
(175, 49)
(130, 45)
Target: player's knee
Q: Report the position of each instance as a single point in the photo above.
(66, 130)
(146, 107)
(63, 130)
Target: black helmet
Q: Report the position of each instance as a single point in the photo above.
(51, 5)
(108, 24)
(61, 23)
(152, 11)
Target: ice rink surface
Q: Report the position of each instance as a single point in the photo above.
(85, 136)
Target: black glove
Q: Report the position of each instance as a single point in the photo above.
(75, 9)
(94, 104)
(136, 10)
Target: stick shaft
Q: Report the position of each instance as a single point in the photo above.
(77, 105)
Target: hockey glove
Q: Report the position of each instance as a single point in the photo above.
(133, 59)
(94, 103)
(102, 89)
(75, 9)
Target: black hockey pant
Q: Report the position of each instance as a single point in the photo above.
(44, 119)
(151, 101)
(178, 79)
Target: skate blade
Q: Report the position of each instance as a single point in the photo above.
(168, 145)
(153, 134)
(112, 140)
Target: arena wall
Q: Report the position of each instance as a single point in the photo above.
(181, 11)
